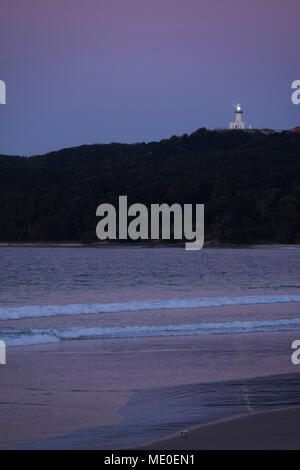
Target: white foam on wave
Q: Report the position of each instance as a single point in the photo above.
(29, 337)
(30, 311)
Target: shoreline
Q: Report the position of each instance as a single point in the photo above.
(50, 390)
(149, 435)
(255, 429)
(275, 429)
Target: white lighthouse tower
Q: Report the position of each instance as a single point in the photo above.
(238, 123)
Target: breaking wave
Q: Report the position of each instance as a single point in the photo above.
(30, 337)
(31, 311)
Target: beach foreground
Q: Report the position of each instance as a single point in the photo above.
(270, 430)
(138, 385)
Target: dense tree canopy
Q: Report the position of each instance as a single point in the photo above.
(249, 182)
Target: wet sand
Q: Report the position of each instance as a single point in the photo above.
(27, 415)
(50, 390)
(270, 430)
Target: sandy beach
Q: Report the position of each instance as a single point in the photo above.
(53, 389)
(270, 430)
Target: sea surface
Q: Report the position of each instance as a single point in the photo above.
(129, 284)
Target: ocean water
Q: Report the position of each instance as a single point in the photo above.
(121, 288)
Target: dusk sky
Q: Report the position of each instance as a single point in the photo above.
(88, 71)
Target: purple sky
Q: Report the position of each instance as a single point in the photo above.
(86, 71)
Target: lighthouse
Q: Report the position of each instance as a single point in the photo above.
(238, 123)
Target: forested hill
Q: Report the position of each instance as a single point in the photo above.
(250, 184)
